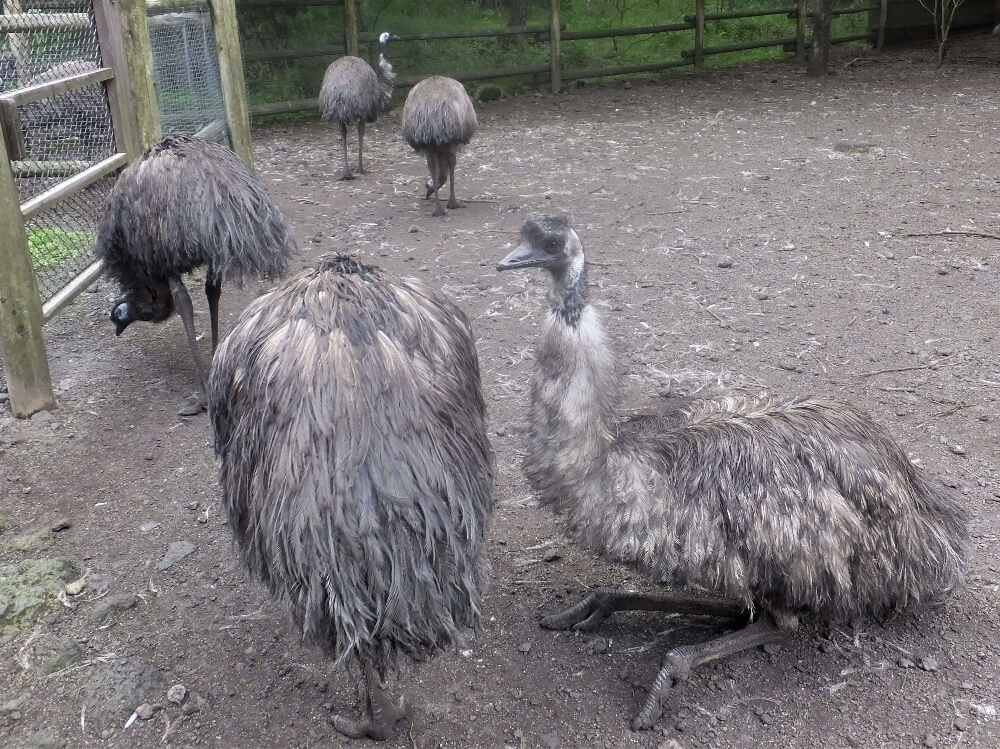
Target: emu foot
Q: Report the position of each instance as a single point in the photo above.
(586, 616)
(379, 723)
(453, 203)
(438, 211)
(345, 175)
(361, 170)
(193, 406)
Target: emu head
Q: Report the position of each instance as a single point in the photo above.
(149, 303)
(548, 243)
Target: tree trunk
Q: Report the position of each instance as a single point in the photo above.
(820, 57)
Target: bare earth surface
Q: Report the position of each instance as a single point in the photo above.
(756, 228)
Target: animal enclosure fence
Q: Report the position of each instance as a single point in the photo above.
(85, 86)
(289, 43)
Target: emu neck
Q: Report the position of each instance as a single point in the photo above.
(574, 392)
(386, 77)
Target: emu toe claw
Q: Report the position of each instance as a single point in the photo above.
(345, 175)
(438, 211)
(193, 406)
(586, 616)
(379, 724)
(457, 204)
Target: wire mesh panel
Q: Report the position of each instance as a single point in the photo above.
(286, 47)
(186, 73)
(42, 41)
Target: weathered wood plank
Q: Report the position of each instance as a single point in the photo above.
(112, 45)
(32, 168)
(351, 27)
(10, 124)
(26, 365)
(71, 186)
(234, 87)
(47, 90)
(555, 51)
(26, 22)
(699, 35)
(139, 59)
(67, 293)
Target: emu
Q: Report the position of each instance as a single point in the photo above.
(438, 119)
(353, 93)
(780, 509)
(186, 203)
(356, 471)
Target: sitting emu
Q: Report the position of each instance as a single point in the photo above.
(356, 472)
(185, 203)
(779, 508)
(354, 94)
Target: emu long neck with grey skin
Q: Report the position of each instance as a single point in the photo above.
(386, 77)
(574, 393)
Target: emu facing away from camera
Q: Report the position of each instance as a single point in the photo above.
(356, 472)
(186, 203)
(354, 94)
(438, 119)
(780, 509)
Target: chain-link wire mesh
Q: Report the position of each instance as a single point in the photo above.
(286, 47)
(49, 140)
(186, 73)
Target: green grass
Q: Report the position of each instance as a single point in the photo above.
(51, 246)
(318, 26)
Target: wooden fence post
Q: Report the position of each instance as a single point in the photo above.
(351, 27)
(139, 57)
(555, 46)
(802, 10)
(25, 363)
(883, 12)
(699, 35)
(234, 87)
(123, 118)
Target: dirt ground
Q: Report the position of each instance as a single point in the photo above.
(756, 228)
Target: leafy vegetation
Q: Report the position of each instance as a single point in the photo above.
(315, 27)
(51, 246)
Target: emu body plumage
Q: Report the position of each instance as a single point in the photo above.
(186, 203)
(356, 470)
(354, 94)
(779, 508)
(438, 119)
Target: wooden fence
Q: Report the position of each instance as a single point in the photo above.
(556, 34)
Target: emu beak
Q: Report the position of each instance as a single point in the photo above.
(120, 328)
(526, 256)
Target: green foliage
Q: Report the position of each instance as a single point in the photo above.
(51, 246)
(313, 27)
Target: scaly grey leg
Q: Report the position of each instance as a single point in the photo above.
(213, 290)
(452, 201)
(346, 174)
(381, 714)
(182, 301)
(361, 148)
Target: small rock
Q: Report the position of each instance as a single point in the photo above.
(967, 686)
(175, 553)
(763, 295)
(176, 693)
(549, 740)
(76, 587)
(413, 229)
(961, 724)
(957, 449)
(725, 261)
(551, 556)
(148, 526)
(61, 524)
(42, 417)
(905, 663)
(194, 704)
(93, 288)
(599, 646)
(112, 605)
(524, 647)
(930, 740)
(489, 92)
(929, 663)
(772, 648)
(144, 711)
(14, 707)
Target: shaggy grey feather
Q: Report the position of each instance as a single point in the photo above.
(438, 119)
(803, 506)
(356, 471)
(185, 203)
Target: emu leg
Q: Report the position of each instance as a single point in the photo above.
(182, 301)
(361, 148)
(346, 174)
(213, 290)
(452, 201)
(599, 605)
(680, 661)
(438, 175)
(380, 713)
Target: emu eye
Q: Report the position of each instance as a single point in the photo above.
(552, 246)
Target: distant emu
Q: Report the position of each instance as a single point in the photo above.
(356, 474)
(438, 119)
(780, 509)
(354, 94)
(186, 203)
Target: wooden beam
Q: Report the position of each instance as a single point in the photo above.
(555, 53)
(633, 31)
(26, 365)
(423, 36)
(33, 168)
(71, 186)
(18, 43)
(699, 35)
(883, 12)
(60, 86)
(112, 45)
(139, 59)
(10, 124)
(48, 22)
(801, 52)
(67, 293)
(234, 87)
(351, 27)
